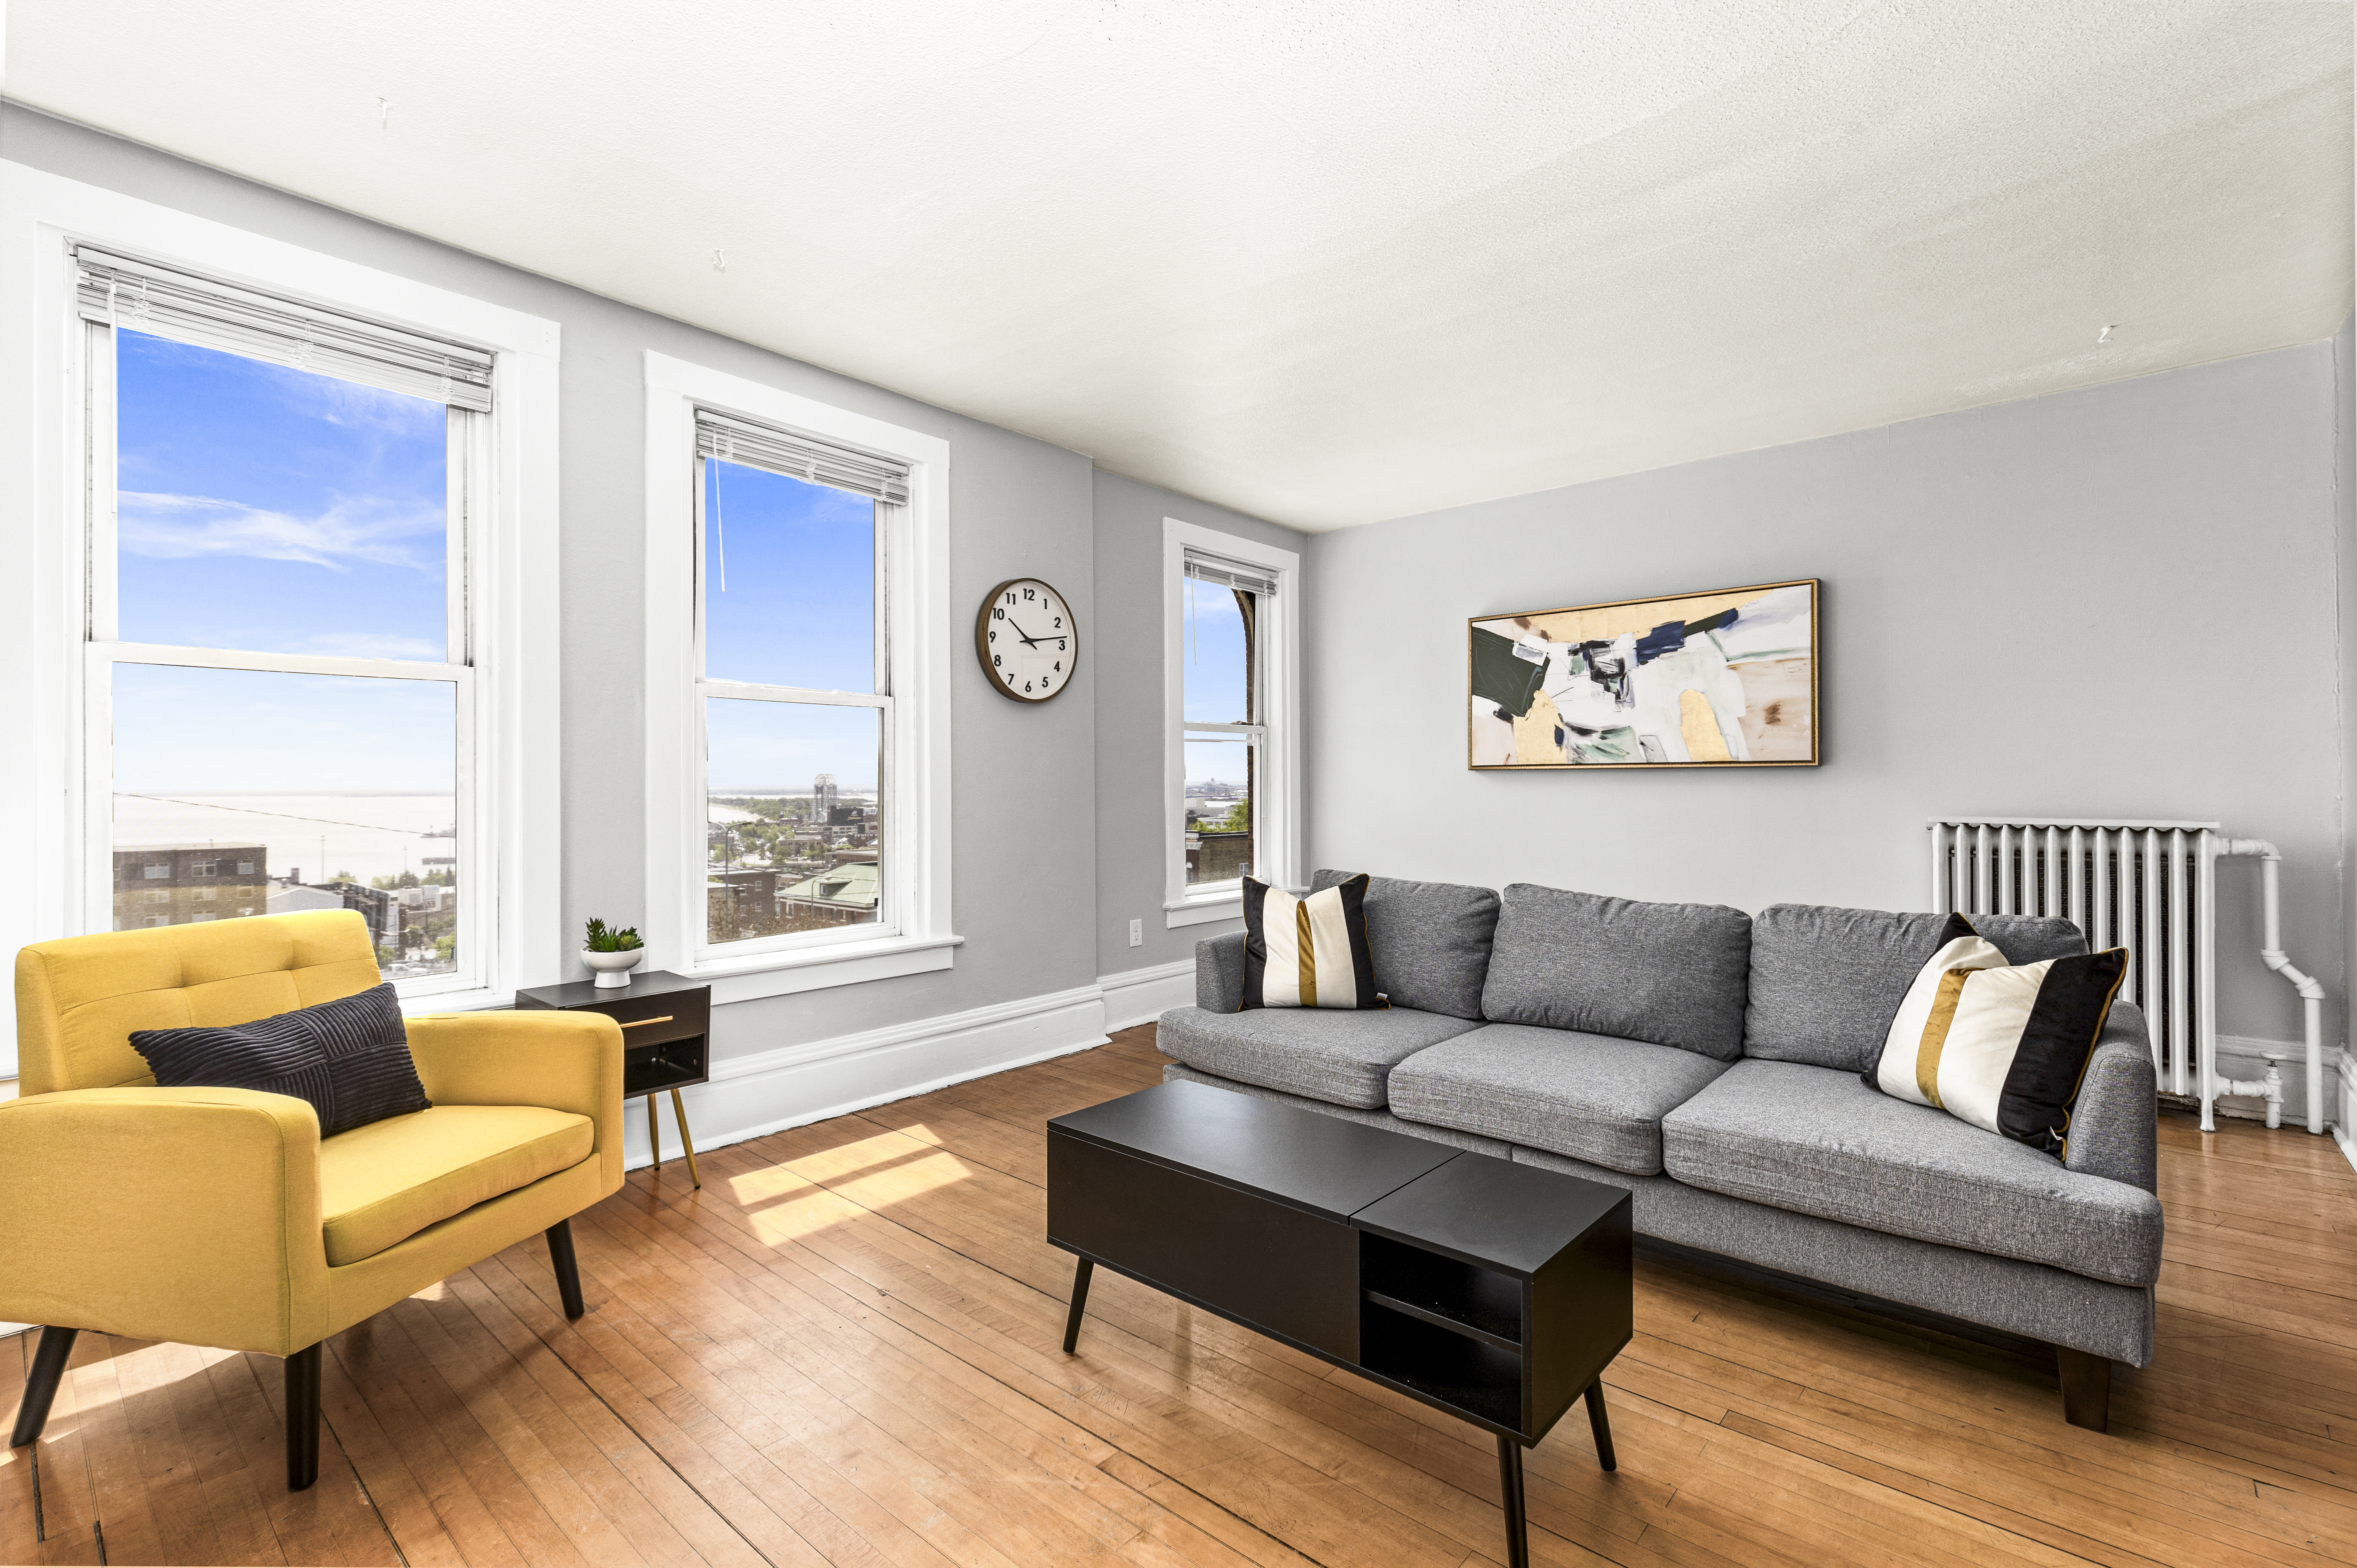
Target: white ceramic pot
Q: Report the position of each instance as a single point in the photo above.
(613, 968)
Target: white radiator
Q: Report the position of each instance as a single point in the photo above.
(2152, 888)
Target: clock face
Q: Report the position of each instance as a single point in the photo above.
(1026, 640)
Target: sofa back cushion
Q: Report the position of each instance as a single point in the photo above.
(1430, 940)
(1826, 981)
(1671, 973)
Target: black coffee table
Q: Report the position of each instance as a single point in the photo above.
(1495, 1291)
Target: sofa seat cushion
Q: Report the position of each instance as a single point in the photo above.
(1430, 940)
(1592, 1097)
(1826, 981)
(1341, 1058)
(383, 1183)
(1670, 973)
(1816, 1140)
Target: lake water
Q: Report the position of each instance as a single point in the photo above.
(368, 836)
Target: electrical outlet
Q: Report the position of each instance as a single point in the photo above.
(1136, 933)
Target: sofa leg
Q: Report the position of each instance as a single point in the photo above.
(568, 1268)
(303, 1417)
(41, 1385)
(2086, 1388)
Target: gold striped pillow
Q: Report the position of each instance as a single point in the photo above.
(1307, 952)
(2001, 1046)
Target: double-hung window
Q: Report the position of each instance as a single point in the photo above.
(795, 685)
(797, 751)
(1231, 786)
(280, 703)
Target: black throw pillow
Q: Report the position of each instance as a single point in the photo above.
(349, 1057)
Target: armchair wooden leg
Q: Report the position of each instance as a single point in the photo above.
(303, 1417)
(41, 1385)
(568, 1270)
(2086, 1388)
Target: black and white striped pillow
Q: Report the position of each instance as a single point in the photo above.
(349, 1057)
(1309, 953)
(2001, 1046)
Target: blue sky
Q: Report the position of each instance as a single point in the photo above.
(179, 730)
(274, 510)
(788, 580)
(789, 600)
(1213, 649)
(782, 746)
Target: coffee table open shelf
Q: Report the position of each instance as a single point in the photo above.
(1493, 1291)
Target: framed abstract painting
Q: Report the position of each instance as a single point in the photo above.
(1726, 679)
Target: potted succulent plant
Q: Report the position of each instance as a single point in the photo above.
(612, 953)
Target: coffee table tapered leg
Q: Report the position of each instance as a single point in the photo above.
(1080, 1303)
(1601, 1425)
(1510, 1482)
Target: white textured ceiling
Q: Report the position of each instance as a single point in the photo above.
(1325, 262)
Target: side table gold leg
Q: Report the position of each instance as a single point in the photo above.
(654, 1133)
(679, 1111)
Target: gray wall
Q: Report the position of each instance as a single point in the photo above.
(1130, 741)
(2114, 602)
(1024, 796)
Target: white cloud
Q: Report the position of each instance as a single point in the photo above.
(348, 533)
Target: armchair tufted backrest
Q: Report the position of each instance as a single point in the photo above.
(79, 999)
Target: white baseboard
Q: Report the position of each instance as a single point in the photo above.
(751, 1097)
(1141, 996)
(2348, 1076)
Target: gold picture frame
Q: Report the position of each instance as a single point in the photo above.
(1720, 678)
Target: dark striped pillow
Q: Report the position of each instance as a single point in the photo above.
(1309, 953)
(349, 1057)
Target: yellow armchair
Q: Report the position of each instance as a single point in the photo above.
(219, 1217)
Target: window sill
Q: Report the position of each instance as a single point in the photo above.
(1227, 907)
(815, 969)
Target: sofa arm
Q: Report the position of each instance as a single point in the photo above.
(2115, 1127)
(565, 1061)
(189, 1215)
(1220, 974)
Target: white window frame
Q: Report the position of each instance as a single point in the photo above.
(915, 936)
(47, 789)
(1276, 791)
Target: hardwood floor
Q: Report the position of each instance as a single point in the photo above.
(845, 1349)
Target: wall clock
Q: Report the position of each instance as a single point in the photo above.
(1026, 640)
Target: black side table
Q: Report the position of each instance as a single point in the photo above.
(666, 1038)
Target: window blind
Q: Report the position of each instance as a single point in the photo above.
(145, 297)
(799, 457)
(1207, 567)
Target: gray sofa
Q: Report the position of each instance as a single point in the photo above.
(1707, 1061)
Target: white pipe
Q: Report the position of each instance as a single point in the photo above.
(2311, 995)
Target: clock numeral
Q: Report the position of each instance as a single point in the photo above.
(997, 614)
(1030, 595)
(994, 636)
(1027, 685)
(1010, 596)
(1059, 664)
(1059, 646)
(994, 663)
(1060, 623)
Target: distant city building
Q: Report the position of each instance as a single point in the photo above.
(823, 798)
(842, 894)
(180, 884)
(1218, 856)
(288, 897)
